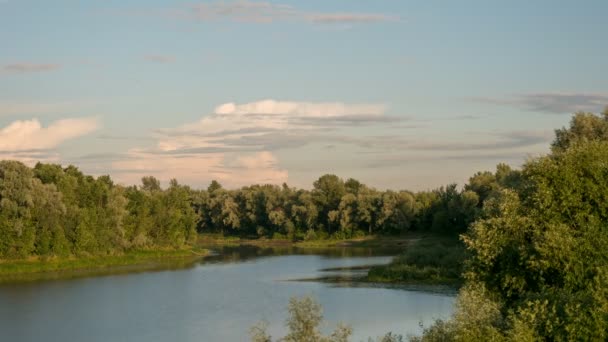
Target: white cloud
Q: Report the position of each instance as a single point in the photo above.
(26, 135)
(231, 122)
(555, 102)
(302, 109)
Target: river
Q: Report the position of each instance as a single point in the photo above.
(215, 299)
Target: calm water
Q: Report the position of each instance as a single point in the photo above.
(216, 299)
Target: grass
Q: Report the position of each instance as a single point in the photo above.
(10, 268)
(432, 260)
(367, 241)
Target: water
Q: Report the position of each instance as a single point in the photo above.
(216, 299)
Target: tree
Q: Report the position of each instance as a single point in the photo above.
(17, 229)
(541, 253)
(327, 193)
(303, 324)
(583, 127)
(368, 204)
(304, 212)
(483, 184)
(353, 186)
(150, 183)
(507, 177)
(214, 186)
(348, 214)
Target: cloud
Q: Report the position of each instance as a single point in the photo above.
(25, 67)
(235, 125)
(160, 58)
(200, 169)
(266, 12)
(124, 137)
(238, 143)
(498, 141)
(300, 109)
(400, 160)
(30, 158)
(28, 135)
(554, 103)
(350, 18)
(235, 143)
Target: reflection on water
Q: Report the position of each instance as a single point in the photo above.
(213, 299)
(247, 252)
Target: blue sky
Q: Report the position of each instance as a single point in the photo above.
(398, 94)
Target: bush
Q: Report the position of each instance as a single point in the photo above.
(279, 236)
(310, 235)
(303, 323)
(434, 261)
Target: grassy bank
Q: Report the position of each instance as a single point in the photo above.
(12, 268)
(429, 260)
(365, 242)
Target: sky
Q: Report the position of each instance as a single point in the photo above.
(397, 94)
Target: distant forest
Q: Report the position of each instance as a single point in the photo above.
(50, 210)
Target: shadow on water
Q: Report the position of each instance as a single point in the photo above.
(223, 254)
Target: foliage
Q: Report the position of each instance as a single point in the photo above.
(303, 324)
(430, 260)
(49, 211)
(537, 266)
(583, 127)
(334, 208)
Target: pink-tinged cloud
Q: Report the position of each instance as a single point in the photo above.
(267, 12)
(25, 67)
(350, 18)
(200, 169)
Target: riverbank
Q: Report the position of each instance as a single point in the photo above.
(401, 241)
(428, 261)
(141, 259)
(423, 259)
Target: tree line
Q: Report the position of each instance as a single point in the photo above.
(50, 210)
(53, 211)
(335, 208)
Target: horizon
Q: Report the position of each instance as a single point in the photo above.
(394, 95)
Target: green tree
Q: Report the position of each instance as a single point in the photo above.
(303, 324)
(17, 229)
(541, 252)
(327, 193)
(583, 127)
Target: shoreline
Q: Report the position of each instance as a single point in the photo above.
(34, 269)
(373, 241)
(162, 259)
